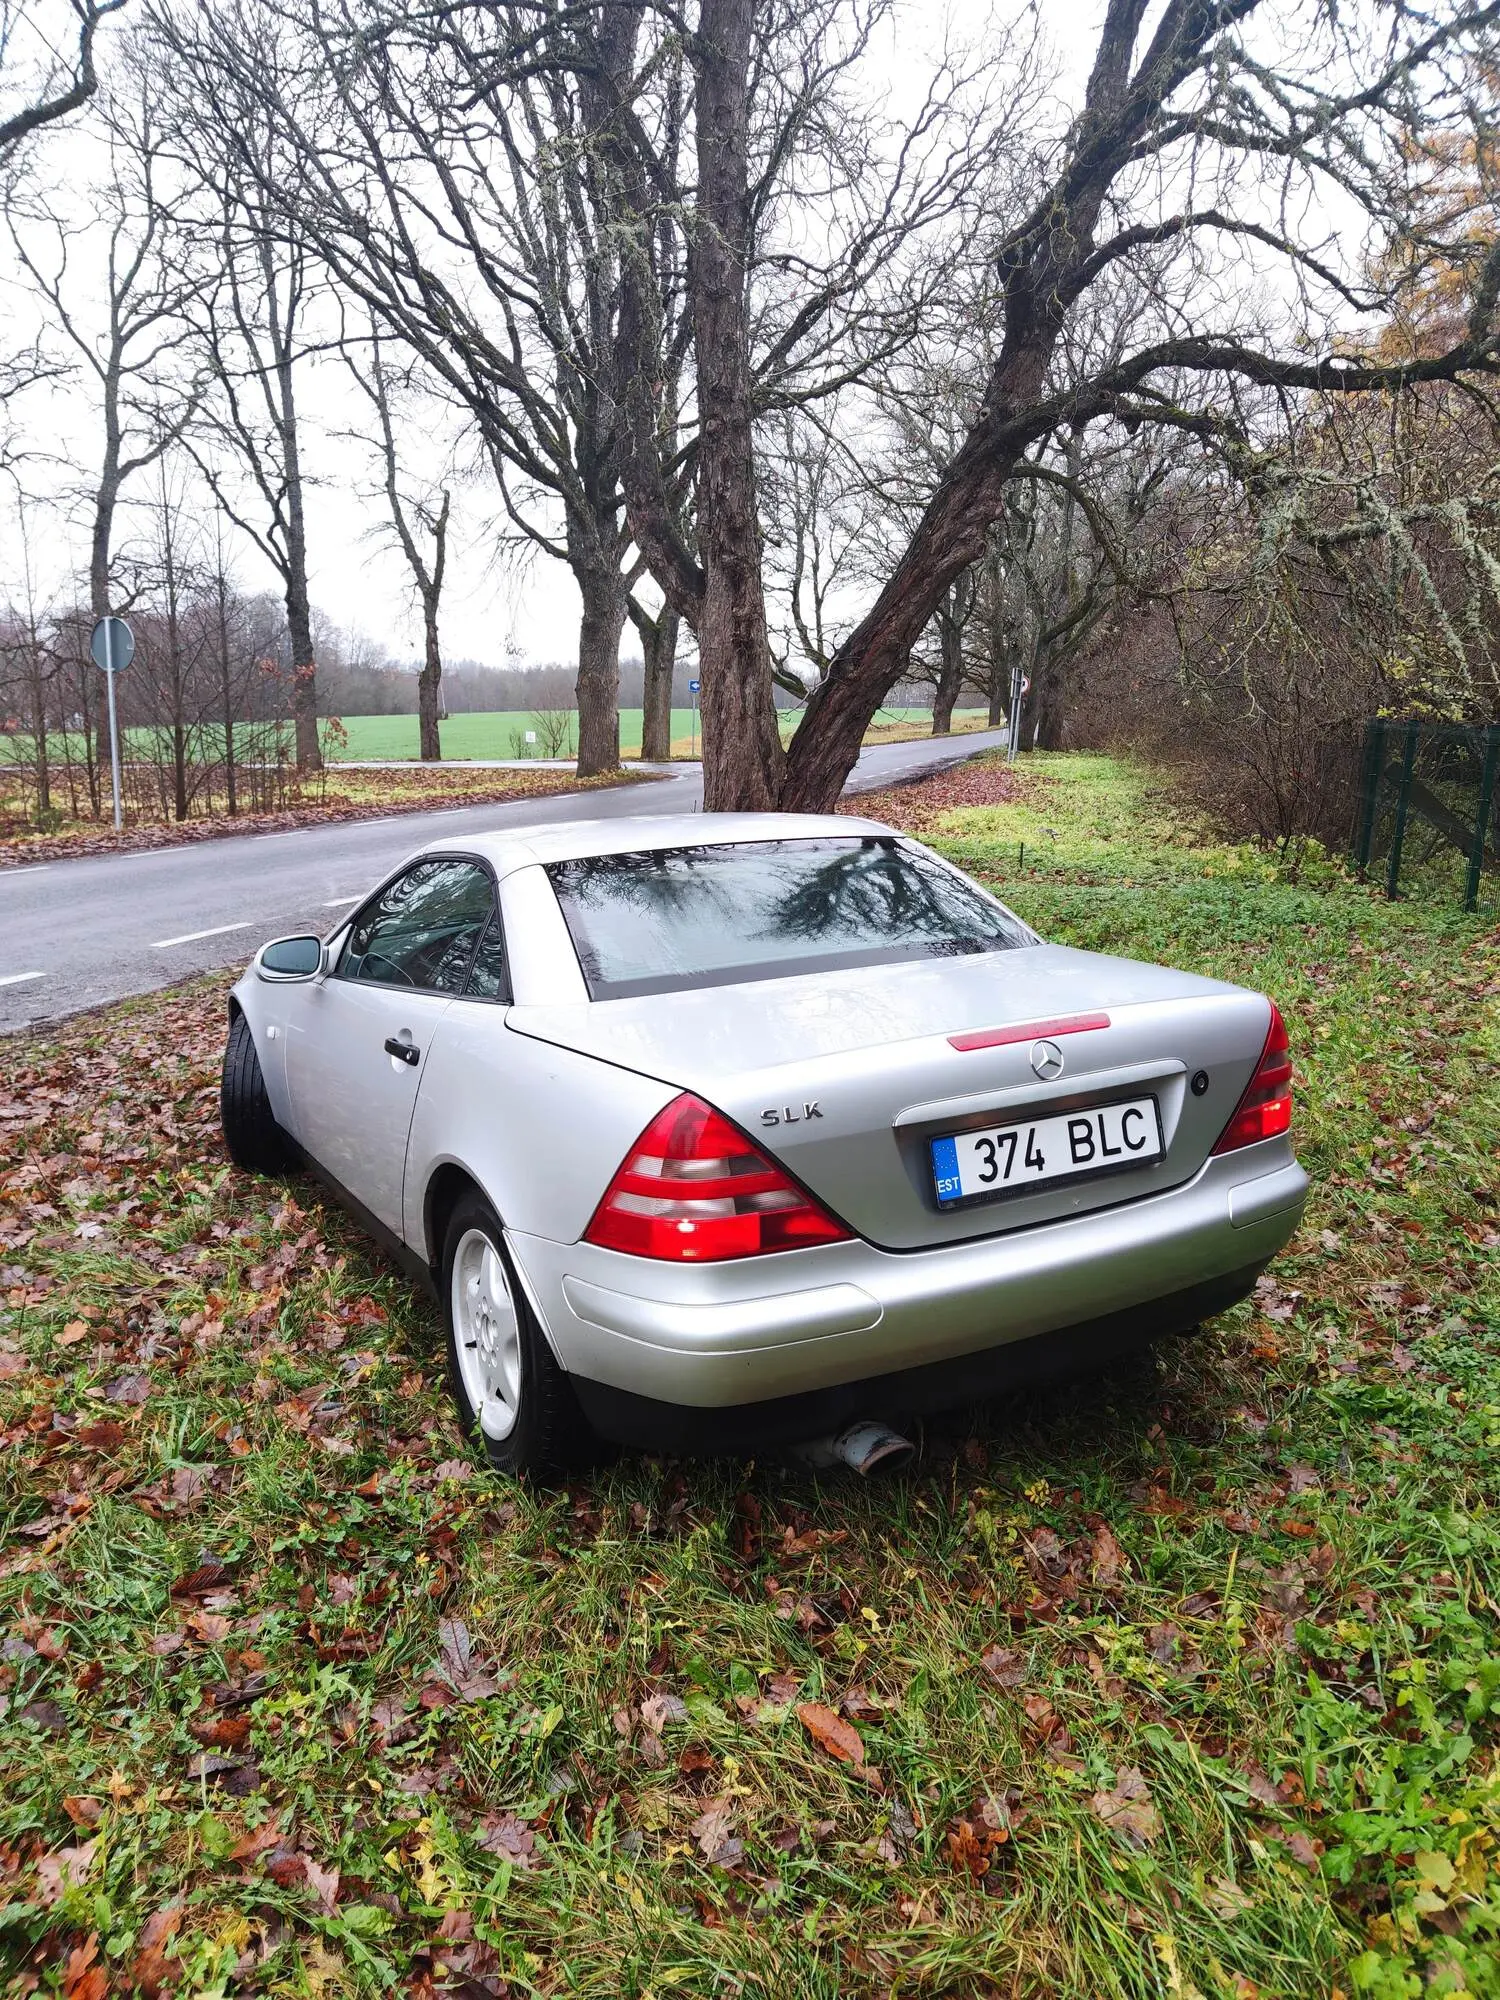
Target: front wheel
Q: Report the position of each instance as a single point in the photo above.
(255, 1141)
(511, 1395)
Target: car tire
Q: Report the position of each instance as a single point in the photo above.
(512, 1397)
(254, 1139)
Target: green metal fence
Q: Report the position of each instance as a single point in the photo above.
(1429, 809)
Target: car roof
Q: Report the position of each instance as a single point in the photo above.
(571, 840)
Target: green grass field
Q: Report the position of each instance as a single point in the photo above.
(1182, 1686)
(380, 738)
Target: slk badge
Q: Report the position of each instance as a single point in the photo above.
(1046, 1060)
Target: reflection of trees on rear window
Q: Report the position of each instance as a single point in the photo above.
(698, 916)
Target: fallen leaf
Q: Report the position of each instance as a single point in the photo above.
(208, 1764)
(256, 1842)
(1004, 1665)
(510, 1839)
(221, 1732)
(83, 1978)
(324, 1883)
(1128, 1808)
(657, 1710)
(83, 1810)
(133, 1387)
(198, 1582)
(1106, 1555)
(861, 1706)
(105, 1435)
(149, 1967)
(711, 1830)
(830, 1732)
(1227, 1899)
(45, 1714)
(64, 1869)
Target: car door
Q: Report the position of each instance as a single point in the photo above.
(358, 1047)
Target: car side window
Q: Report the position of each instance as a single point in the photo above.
(421, 930)
(488, 978)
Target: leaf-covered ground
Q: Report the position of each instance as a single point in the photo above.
(1182, 1684)
(339, 794)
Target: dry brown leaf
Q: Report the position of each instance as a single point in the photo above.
(64, 1869)
(149, 1967)
(1128, 1809)
(1107, 1556)
(711, 1830)
(831, 1733)
(83, 1977)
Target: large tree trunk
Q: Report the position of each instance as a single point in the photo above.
(951, 668)
(1048, 714)
(309, 753)
(659, 653)
(298, 605)
(226, 691)
(841, 708)
(743, 761)
(429, 685)
(604, 598)
(39, 742)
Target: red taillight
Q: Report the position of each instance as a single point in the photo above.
(693, 1189)
(1265, 1110)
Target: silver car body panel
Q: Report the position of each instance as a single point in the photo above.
(539, 1101)
(712, 1335)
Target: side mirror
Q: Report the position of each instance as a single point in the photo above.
(290, 958)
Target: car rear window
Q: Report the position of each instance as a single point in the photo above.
(715, 916)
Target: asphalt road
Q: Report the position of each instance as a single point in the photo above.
(75, 934)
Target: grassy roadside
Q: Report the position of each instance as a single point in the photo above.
(331, 797)
(1184, 1689)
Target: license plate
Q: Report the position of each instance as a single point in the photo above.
(1007, 1159)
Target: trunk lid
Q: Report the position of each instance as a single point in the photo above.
(847, 1077)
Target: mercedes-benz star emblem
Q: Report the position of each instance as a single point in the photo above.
(1046, 1060)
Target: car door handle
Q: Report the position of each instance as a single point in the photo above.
(406, 1052)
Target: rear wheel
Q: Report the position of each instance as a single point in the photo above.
(511, 1395)
(255, 1141)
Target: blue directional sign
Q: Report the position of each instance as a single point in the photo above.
(693, 687)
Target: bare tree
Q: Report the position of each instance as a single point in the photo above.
(60, 89)
(411, 519)
(462, 200)
(124, 312)
(1186, 136)
(250, 321)
(658, 634)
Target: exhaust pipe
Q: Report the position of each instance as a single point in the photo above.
(862, 1447)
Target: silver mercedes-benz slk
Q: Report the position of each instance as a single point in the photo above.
(724, 1130)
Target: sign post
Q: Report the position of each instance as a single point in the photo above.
(693, 687)
(112, 648)
(1020, 687)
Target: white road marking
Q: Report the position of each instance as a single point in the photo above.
(343, 902)
(192, 937)
(26, 868)
(16, 978)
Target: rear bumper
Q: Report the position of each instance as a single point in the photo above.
(645, 1424)
(721, 1336)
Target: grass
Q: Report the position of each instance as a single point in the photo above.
(1184, 1686)
(490, 733)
